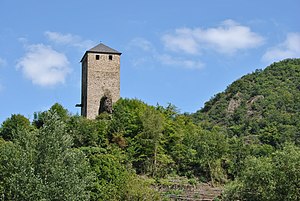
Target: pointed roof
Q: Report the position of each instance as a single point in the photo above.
(101, 48)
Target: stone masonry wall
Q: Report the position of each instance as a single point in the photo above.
(84, 88)
(103, 76)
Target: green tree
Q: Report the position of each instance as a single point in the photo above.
(212, 147)
(268, 178)
(151, 155)
(182, 138)
(41, 165)
(287, 173)
(110, 174)
(10, 126)
(126, 118)
(17, 178)
(86, 132)
(116, 180)
(39, 117)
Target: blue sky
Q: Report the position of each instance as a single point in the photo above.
(179, 52)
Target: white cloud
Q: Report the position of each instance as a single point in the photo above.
(69, 39)
(140, 45)
(44, 66)
(182, 40)
(290, 48)
(228, 38)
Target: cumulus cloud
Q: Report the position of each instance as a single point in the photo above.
(43, 65)
(139, 45)
(182, 40)
(69, 39)
(290, 48)
(227, 38)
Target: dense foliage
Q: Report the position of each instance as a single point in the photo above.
(246, 138)
(275, 177)
(41, 164)
(264, 104)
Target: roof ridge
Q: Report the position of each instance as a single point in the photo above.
(101, 48)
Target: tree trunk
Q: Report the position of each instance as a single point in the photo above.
(210, 174)
(155, 159)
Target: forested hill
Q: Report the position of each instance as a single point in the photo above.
(258, 103)
(245, 142)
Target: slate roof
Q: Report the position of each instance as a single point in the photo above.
(101, 48)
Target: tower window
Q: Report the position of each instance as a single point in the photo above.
(110, 57)
(97, 57)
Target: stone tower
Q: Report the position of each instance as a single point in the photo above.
(100, 80)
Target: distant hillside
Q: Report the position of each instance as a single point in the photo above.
(263, 102)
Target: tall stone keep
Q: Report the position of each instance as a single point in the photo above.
(100, 79)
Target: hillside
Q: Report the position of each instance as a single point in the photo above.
(259, 103)
(243, 145)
